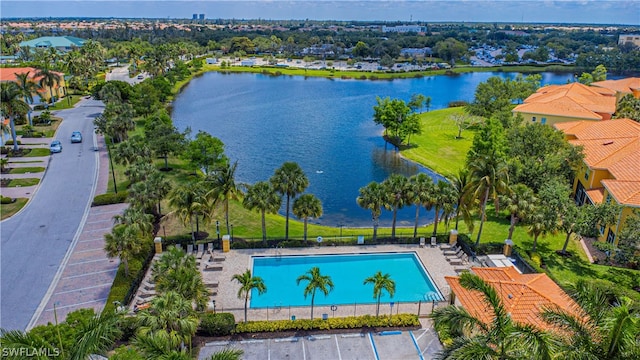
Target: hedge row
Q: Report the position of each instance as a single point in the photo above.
(6, 200)
(219, 324)
(110, 198)
(351, 322)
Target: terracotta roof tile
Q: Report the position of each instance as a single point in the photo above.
(625, 192)
(625, 86)
(596, 195)
(523, 295)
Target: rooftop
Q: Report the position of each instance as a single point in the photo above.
(54, 41)
(625, 86)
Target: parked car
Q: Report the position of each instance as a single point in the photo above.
(76, 137)
(140, 77)
(55, 147)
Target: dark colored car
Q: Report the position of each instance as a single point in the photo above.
(76, 137)
(55, 147)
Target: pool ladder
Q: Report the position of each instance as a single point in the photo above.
(278, 254)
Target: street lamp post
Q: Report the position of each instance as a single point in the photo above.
(113, 172)
(218, 229)
(231, 225)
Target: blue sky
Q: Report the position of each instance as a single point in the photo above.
(548, 11)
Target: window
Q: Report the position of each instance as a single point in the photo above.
(533, 119)
(608, 199)
(586, 174)
(611, 237)
(543, 120)
(602, 229)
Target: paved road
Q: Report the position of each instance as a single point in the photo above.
(34, 242)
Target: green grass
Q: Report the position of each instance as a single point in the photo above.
(437, 147)
(25, 170)
(65, 103)
(7, 210)
(23, 182)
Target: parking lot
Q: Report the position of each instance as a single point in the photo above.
(387, 345)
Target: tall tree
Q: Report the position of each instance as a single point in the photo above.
(263, 197)
(12, 106)
(307, 207)
(500, 338)
(190, 202)
(420, 193)
(444, 196)
(289, 180)
(123, 242)
(373, 198)
(223, 185)
(396, 188)
(381, 282)
(315, 281)
(176, 271)
(520, 201)
(247, 284)
(49, 78)
(163, 138)
(27, 87)
(417, 102)
(464, 201)
(397, 119)
(205, 152)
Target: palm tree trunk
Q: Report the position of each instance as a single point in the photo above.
(226, 212)
(436, 220)
(378, 306)
(457, 214)
(415, 225)
(14, 136)
(313, 295)
(264, 228)
(484, 209)
(166, 161)
(125, 262)
(51, 91)
(375, 229)
(286, 225)
(29, 112)
(305, 228)
(393, 223)
(566, 242)
(513, 226)
(246, 300)
(535, 243)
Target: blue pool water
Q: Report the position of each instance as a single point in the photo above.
(347, 272)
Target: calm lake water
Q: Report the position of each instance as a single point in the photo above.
(325, 125)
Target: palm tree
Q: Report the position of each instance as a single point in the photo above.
(137, 219)
(28, 88)
(316, 281)
(263, 197)
(154, 345)
(444, 197)
(541, 222)
(97, 335)
(247, 284)
(12, 106)
(124, 242)
(170, 316)
(190, 202)
(461, 182)
(227, 354)
(224, 186)
(305, 207)
(520, 202)
(421, 189)
(381, 282)
(175, 271)
(396, 188)
(490, 176)
(501, 338)
(49, 78)
(289, 180)
(607, 329)
(372, 197)
(27, 342)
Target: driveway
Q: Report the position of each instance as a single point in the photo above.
(122, 74)
(34, 242)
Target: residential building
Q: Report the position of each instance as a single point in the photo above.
(403, 29)
(629, 38)
(44, 94)
(611, 169)
(61, 43)
(524, 296)
(554, 104)
(622, 87)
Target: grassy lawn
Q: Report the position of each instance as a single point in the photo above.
(25, 170)
(7, 210)
(437, 147)
(38, 152)
(66, 103)
(23, 182)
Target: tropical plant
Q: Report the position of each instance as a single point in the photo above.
(247, 284)
(396, 189)
(444, 197)
(264, 198)
(223, 185)
(381, 282)
(608, 329)
(464, 202)
(190, 203)
(372, 197)
(48, 78)
(227, 354)
(12, 106)
(520, 202)
(498, 338)
(97, 336)
(315, 281)
(21, 345)
(156, 345)
(176, 271)
(421, 188)
(27, 87)
(123, 242)
(289, 180)
(137, 219)
(305, 207)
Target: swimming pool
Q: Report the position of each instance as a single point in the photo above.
(348, 272)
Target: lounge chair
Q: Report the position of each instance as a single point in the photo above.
(434, 241)
(212, 284)
(189, 249)
(453, 251)
(211, 267)
(200, 251)
(422, 242)
(210, 247)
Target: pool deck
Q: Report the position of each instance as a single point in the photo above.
(238, 261)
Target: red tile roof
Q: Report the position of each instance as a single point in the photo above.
(625, 86)
(524, 296)
(9, 74)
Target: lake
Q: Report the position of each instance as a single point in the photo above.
(325, 125)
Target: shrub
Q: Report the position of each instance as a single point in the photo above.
(6, 200)
(5, 150)
(10, 142)
(457, 103)
(351, 322)
(220, 324)
(128, 325)
(110, 198)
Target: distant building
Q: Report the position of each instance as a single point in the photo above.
(61, 43)
(571, 102)
(201, 16)
(629, 38)
(415, 52)
(194, 17)
(403, 28)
